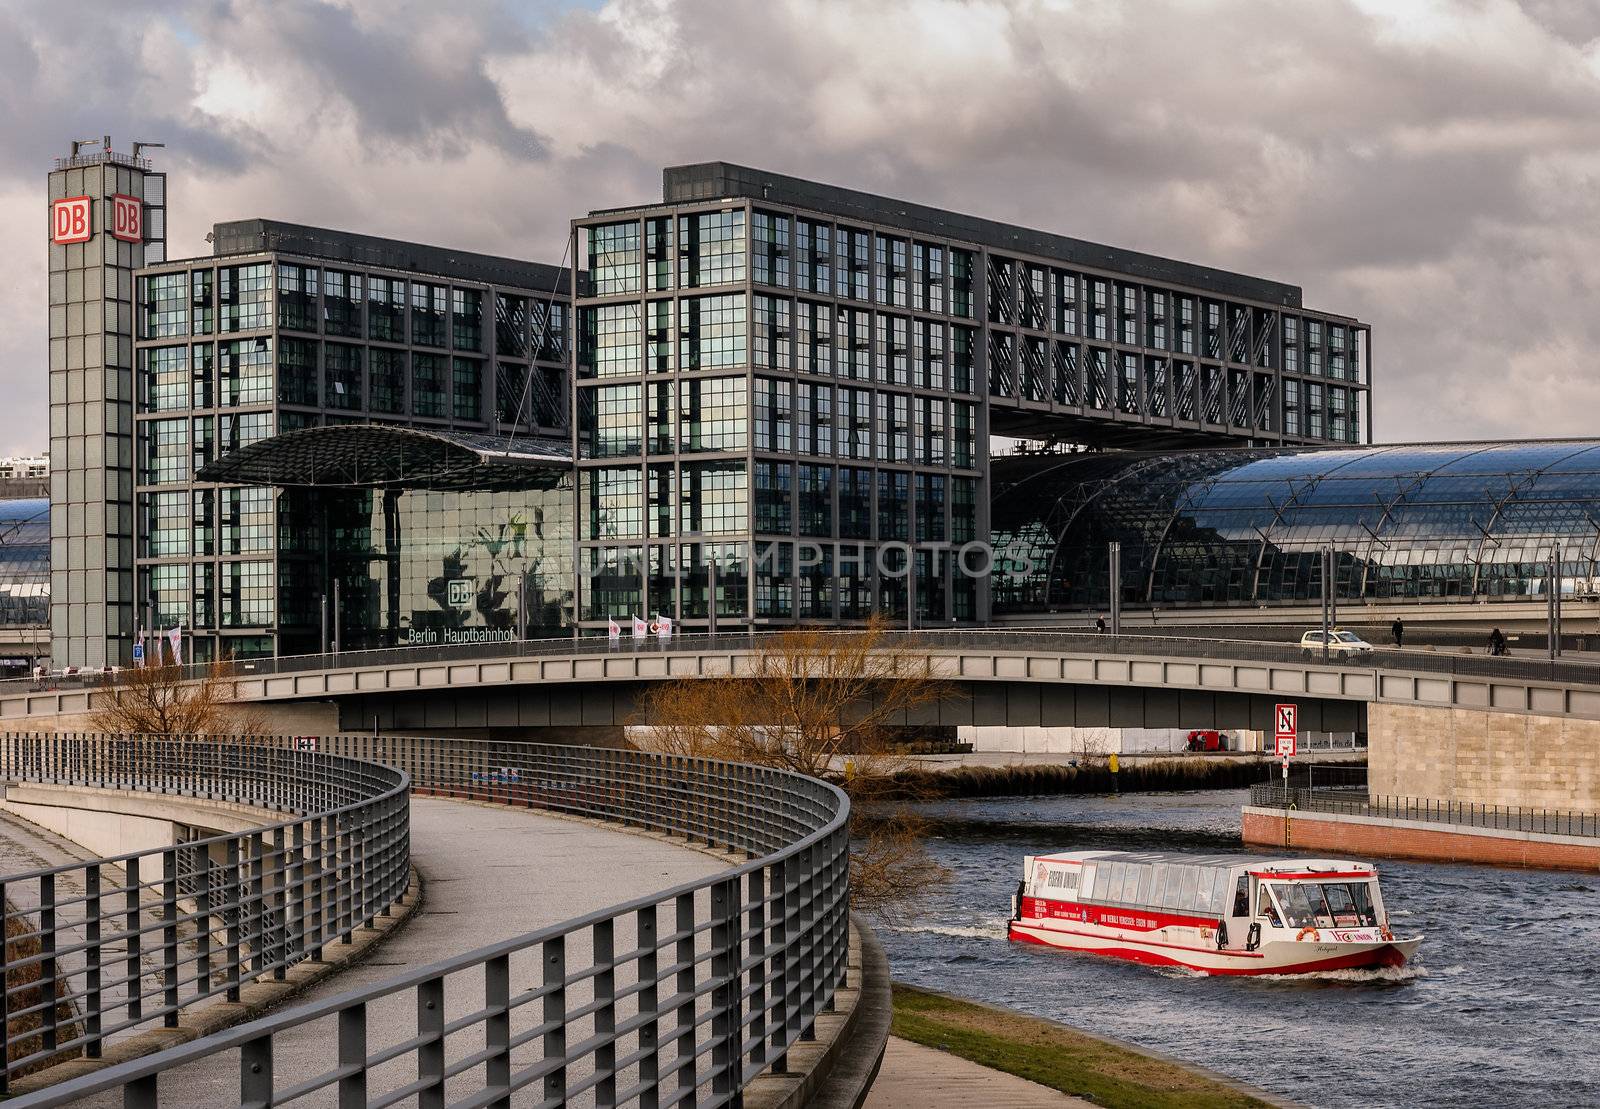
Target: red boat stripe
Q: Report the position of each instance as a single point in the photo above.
(1382, 957)
(1149, 943)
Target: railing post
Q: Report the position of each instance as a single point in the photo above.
(430, 1052)
(649, 1000)
(47, 961)
(603, 943)
(319, 924)
(785, 1020)
(255, 937)
(132, 912)
(684, 1039)
(169, 936)
(726, 1059)
(554, 960)
(233, 899)
(353, 1056)
(757, 899)
(92, 956)
(255, 1073)
(497, 1029)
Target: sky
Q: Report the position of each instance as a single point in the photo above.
(1430, 167)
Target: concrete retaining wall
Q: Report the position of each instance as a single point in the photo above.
(109, 822)
(1484, 756)
(1343, 835)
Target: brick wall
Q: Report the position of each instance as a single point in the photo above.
(1492, 758)
(1351, 837)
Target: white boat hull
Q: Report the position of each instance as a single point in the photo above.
(1303, 956)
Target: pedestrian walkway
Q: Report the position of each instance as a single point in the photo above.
(917, 1077)
(489, 873)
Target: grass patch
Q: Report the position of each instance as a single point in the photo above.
(1054, 1056)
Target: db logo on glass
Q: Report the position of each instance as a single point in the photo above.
(127, 219)
(69, 220)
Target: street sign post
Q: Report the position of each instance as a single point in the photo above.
(1285, 730)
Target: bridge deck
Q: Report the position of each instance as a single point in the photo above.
(489, 873)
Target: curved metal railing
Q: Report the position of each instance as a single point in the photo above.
(102, 949)
(677, 997)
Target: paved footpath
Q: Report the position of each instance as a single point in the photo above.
(917, 1077)
(489, 873)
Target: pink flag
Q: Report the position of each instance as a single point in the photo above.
(175, 638)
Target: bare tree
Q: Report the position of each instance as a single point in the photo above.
(836, 706)
(164, 700)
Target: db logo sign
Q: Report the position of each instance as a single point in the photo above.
(459, 593)
(127, 219)
(69, 220)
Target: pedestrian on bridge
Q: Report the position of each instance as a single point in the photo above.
(1398, 630)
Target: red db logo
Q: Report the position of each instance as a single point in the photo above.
(69, 220)
(127, 218)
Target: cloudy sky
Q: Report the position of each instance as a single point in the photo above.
(1431, 167)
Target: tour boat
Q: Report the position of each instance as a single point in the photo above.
(1215, 914)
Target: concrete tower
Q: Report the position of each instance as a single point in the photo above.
(106, 217)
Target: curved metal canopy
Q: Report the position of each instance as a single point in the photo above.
(378, 456)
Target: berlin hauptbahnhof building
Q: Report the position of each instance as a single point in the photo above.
(763, 395)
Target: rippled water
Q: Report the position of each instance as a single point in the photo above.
(1501, 1006)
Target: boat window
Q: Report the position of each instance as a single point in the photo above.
(1086, 883)
(1161, 886)
(1297, 906)
(1129, 884)
(1218, 880)
(1188, 883)
(1267, 909)
(1146, 877)
(1241, 896)
(1350, 903)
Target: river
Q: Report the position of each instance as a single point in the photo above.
(1499, 1008)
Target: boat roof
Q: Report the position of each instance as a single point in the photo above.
(1254, 862)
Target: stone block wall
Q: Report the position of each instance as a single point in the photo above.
(1484, 757)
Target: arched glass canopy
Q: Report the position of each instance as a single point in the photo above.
(1456, 521)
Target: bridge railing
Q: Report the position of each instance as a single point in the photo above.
(1151, 645)
(1334, 798)
(678, 997)
(114, 946)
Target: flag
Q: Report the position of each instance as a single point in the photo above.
(640, 629)
(175, 638)
(664, 626)
(613, 630)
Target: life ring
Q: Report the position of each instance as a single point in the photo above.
(1312, 932)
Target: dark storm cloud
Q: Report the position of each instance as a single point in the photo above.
(1431, 167)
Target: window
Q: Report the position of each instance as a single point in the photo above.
(774, 579)
(852, 263)
(427, 385)
(661, 417)
(166, 305)
(165, 446)
(244, 297)
(249, 520)
(342, 376)
(297, 371)
(930, 508)
(814, 338)
(614, 258)
(774, 415)
(297, 297)
(713, 415)
(246, 593)
(711, 249)
(510, 325)
(203, 374)
(466, 389)
(613, 507)
(1066, 314)
(203, 303)
(816, 500)
(428, 311)
(711, 333)
(771, 334)
(963, 509)
(769, 249)
(714, 498)
(855, 503)
(387, 380)
(163, 379)
(658, 252)
(386, 309)
(609, 341)
(167, 524)
(774, 497)
(964, 434)
(961, 267)
(894, 496)
(549, 330)
(342, 297)
(614, 420)
(466, 319)
(813, 264)
(815, 421)
(244, 372)
(963, 342)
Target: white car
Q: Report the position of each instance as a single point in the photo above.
(1341, 645)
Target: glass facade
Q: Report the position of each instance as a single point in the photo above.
(24, 563)
(1459, 522)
